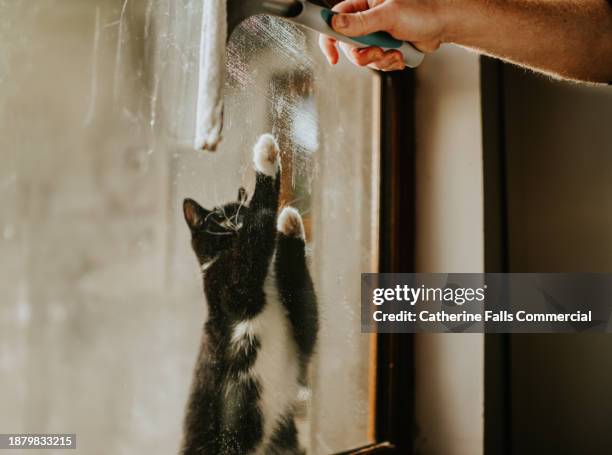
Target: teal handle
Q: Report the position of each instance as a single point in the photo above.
(379, 39)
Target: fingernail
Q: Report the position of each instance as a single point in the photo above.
(340, 21)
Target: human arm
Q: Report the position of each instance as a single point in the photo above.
(569, 39)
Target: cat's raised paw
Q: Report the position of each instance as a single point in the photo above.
(290, 223)
(266, 155)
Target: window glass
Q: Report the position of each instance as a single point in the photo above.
(101, 303)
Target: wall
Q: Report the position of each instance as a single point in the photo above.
(449, 367)
(559, 161)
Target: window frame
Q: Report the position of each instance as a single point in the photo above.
(394, 410)
(497, 387)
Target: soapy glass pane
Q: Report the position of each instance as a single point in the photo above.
(279, 82)
(101, 306)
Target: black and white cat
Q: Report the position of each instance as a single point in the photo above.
(262, 325)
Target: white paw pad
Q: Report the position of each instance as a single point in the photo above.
(266, 155)
(290, 223)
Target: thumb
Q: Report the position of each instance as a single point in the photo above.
(362, 22)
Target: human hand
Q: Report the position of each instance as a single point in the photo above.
(416, 21)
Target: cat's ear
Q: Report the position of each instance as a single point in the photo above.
(242, 195)
(194, 213)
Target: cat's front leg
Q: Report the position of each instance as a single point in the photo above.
(266, 161)
(294, 281)
(256, 240)
(290, 225)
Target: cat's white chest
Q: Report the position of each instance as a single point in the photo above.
(276, 366)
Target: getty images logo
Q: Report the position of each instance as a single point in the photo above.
(449, 295)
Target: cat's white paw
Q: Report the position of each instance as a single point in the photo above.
(266, 155)
(290, 223)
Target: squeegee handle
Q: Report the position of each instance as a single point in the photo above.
(319, 19)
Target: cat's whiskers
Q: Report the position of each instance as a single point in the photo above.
(223, 225)
(219, 233)
(292, 202)
(238, 213)
(242, 201)
(207, 264)
(218, 224)
(232, 225)
(224, 214)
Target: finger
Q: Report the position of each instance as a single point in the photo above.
(363, 22)
(328, 46)
(351, 6)
(395, 67)
(392, 60)
(347, 50)
(366, 55)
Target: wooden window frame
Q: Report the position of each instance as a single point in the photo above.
(497, 387)
(394, 416)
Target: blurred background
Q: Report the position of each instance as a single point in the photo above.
(514, 174)
(555, 176)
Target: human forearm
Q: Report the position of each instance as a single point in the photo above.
(567, 38)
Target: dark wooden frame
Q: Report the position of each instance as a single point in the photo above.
(394, 419)
(497, 391)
